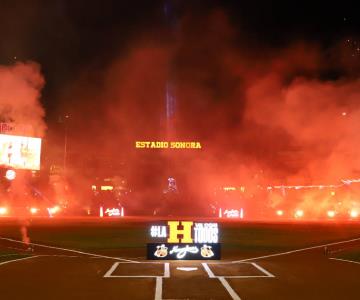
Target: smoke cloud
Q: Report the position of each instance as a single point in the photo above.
(264, 115)
(20, 89)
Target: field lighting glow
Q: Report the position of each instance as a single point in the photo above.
(280, 212)
(3, 210)
(331, 213)
(53, 210)
(10, 175)
(354, 213)
(299, 213)
(34, 210)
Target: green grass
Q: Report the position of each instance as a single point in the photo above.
(353, 255)
(8, 254)
(11, 257)
(126, 236)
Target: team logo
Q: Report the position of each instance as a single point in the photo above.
(206, 251)
(161, 251)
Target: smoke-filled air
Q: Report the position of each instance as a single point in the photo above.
(278, 126)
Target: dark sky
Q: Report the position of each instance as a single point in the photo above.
(65, 36)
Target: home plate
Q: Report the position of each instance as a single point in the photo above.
(187, 269)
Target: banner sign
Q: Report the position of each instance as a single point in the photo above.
(194, 251)
(111, 212)
(186, 240)
(231, 213)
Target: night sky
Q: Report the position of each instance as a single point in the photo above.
(67, 36)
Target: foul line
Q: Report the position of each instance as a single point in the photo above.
(346, 260)
(69, 250)
(297, 250)
(15, 260)
(208, 270)
(223, 281)
(229, 289)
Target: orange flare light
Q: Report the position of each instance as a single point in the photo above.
(299, 213)
(34, 210)
(331, 213)
(354, 213)
(10, 175)
(280, 212)
(3, 210)
(54, 210)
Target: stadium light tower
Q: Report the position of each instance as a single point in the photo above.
(170, 95)
(66, 119)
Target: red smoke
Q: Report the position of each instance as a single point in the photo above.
(264, 116)
(20, 87)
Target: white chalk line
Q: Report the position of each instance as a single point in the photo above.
(226, 284)
(166, 270)
(208, 270)
(295, 251)
(159, 279)
(345, 260)
(28, 256)
(40, 255)
(229, 289)
(19, 259)
(255, 265)
(112, 269)
(158, 288)
(70, 250)
(261, 269)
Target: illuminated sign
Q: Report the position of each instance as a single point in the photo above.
(106, 188)
(184, 240)
(20, 152)
(167, 145)
(168, 251)
(111, 212)
(231, 213)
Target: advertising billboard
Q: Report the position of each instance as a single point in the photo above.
(20, 152)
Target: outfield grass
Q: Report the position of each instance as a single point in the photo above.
(100, 235)
(352, 254)
(8, 254)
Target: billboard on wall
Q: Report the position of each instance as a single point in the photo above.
(20, 152)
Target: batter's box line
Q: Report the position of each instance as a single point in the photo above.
(112, 269)
(261, 269)
(225, 283)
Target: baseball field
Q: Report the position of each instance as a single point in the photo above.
(92, 258)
